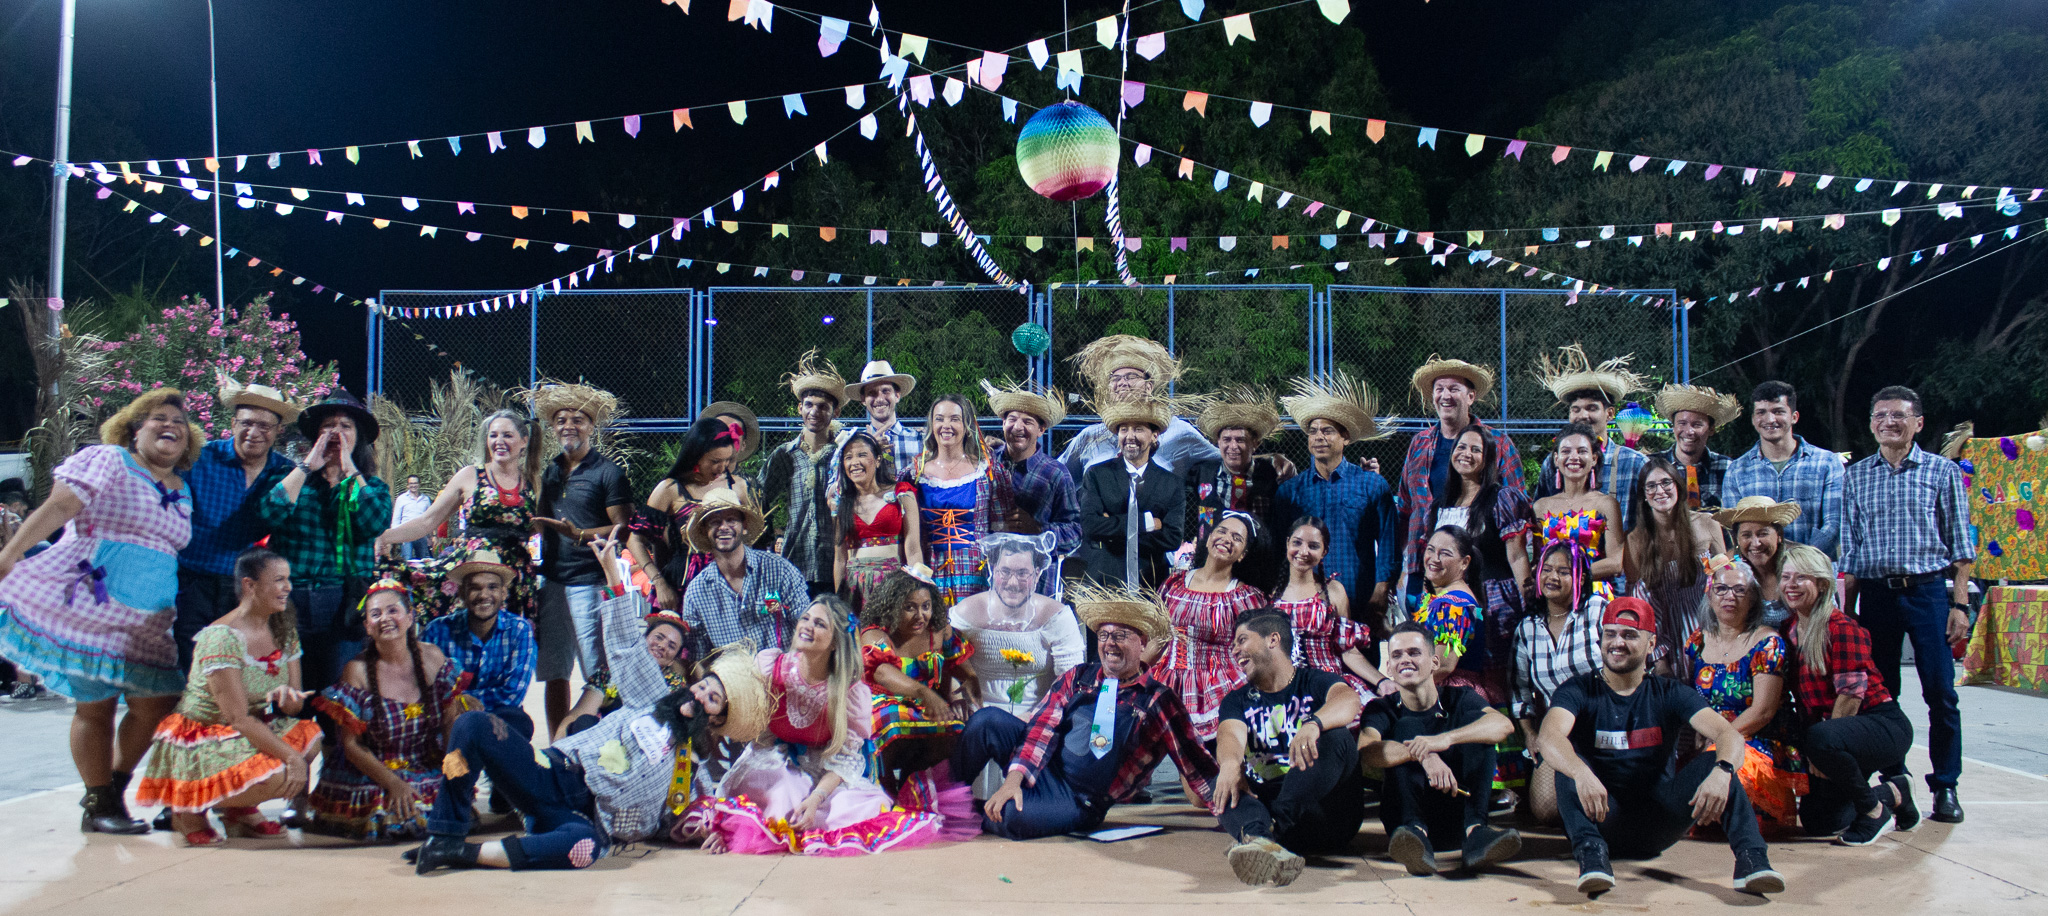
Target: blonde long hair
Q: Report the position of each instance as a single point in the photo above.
(842, 668)
(529, 464)
(1811, 629)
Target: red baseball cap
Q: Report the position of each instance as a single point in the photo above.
(1630, 612)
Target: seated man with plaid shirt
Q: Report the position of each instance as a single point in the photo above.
(1095, 736)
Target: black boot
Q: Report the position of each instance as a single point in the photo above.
(446, 852)
(106, 812)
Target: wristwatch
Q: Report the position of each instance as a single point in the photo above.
(1725, 767)
(1959, 606)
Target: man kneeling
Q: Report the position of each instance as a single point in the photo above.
(1286, 732)
(1436, 745)
(1612, 736)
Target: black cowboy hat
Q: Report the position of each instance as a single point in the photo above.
(344, 403)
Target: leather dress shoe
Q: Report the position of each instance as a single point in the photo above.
(1947, 809)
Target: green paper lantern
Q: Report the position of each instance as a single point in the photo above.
(1031, 339)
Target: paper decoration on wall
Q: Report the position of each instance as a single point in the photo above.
(1067, 152)
(2008, 490)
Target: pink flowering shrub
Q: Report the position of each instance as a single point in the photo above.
(189, 348)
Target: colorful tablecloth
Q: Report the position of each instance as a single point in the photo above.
(2010, 644)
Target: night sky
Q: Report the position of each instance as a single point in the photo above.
(295, 75)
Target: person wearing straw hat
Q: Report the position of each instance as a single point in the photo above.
(1041, 490)
(799, 472)
(1450, 387)
(1238, 420)
(1757, 525)
(1696, 414)
(494, 648)
(880, 388)
(1590, 395)
(746, 593)
(325, 516)
(1096, 736)
(227, 483)
(633, 770)
(1357, 504)
(739, 419)
(583, 496)
(1122, 366)
(1132, 508)
(1787, 468)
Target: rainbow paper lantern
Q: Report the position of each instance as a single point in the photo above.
(1067, 152)
(1633, 421)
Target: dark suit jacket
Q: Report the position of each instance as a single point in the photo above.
(1262, 560)
(1105, 492)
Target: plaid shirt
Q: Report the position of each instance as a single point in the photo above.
(1704, 490)
(1415, 499)
(1850, 672)
(1543, 663)
(225, 521)
(797, 479)
(1162, 729)
(1620, 467)
(1044, 489)
(1813, 479)
(1908, 521)
(1358, 505)
(501, 665)
(630, 800)
(771, 596)
(305, 532)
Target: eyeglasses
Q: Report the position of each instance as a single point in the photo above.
(1731, 589)
(257, 426)
(1119, 635)
(1889, 416)
(1659, 486)
(1128, 375)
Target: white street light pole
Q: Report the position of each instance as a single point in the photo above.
(60, 170)
(220, 288)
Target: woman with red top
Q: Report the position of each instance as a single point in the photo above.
(916, 666)
(873, 539)
(498, 492)
(1203, 604)
(806, 790)
(1325, 636)
(1853, 726)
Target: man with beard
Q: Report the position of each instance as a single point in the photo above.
(583, 496)
(226, 519)
(879, 389)
(1095, 738)
(745, 593)
(1436, 745)
(632, 769)
(1237, 420)
(494, 648)
(1132, 508)
(1041, 490)
(1613, 737)
(1122, 367)
(1450, 387)
(1696, 414)
(799, 472)
(1288, 782)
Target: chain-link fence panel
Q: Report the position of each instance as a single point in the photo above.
(1224, 335)
(949, 340)
(413, 354)
(634, 343)
(761, 331)
(1381, 335)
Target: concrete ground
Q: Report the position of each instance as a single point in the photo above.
(1988, 865)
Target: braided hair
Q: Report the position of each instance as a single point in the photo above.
(419, 677)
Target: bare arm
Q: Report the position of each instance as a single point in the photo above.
(1768, 691)
(913, 530)
(891, 679)
(1518, 561)
(62, 506)
(586, 705)
(458, 489)
(1614, 563)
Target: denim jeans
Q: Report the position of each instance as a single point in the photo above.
(554, 798)
(1050, 806)
(1919, 613)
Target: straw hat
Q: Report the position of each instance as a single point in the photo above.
(1049, 405)
(1098, 360)
(746, 692)
(263, 396)
(1573, 371)
(595, 403)
(1137, 609)
(1479, 377)
(750, 425)
(341, 402)
(1758, 509)
(815, 372)
(880, 371)
(1723, 409)
(1154, 412)
(1242, 407)
(713, 503)
(1344, 401)
(481, 560)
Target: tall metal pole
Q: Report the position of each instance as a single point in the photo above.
(220, 287)
(60, 175)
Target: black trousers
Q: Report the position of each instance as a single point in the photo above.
(1408, 800)
(1311, 811)
(1841, 754)
(203, 598)
(1642, 823)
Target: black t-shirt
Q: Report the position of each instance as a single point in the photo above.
(1456, 707)
(1628, 740)
(1273, 718)
(579, 497)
